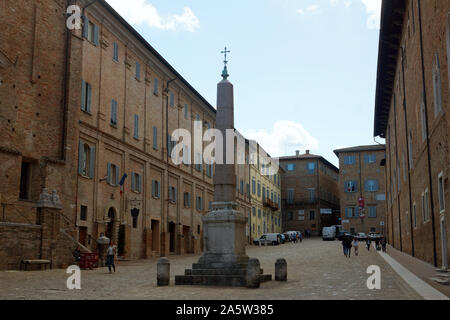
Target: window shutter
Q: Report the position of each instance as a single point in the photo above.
(85, 27)
(366, 185)
(133, 182)
(80, 157)
(158, 189)
(83, 95)
(136, 126)
(155, 86)
(155, 138)
(153, 188)
(89, 98)
(117, 175)
(92, 163)
(139, 183)
(138, 71)
(175, 194)
(96, 37)
(109, 180)
(116, 51)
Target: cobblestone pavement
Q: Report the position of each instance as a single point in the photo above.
(316, 270)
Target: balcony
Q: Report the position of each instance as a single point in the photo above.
(270, 204)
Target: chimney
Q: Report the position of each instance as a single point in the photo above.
(307, 151)
(297, 153)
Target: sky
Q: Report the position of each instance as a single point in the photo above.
(304, 71)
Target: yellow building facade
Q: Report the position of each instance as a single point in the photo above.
(265, 191)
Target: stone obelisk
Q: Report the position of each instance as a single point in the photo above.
(224, 262)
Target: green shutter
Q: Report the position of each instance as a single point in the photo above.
(96, 36)
(92, 163)
(85, 27)
(117, 175)
(80, 157)
(83, 95)
(89, 98)
(133, 182)
(109, 180)
(155, 138)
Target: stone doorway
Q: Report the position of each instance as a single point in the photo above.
(186, 231)
(172, 237)
(110, 227)
(155, 235)
(82, 235)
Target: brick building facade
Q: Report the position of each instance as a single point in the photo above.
(309, 193)
(412, 113)
(361, 176)
(79, 110)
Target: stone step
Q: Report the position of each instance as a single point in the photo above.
(218, 272)
(265, 278)
(212, 280)
(441, 281)
(218, 265)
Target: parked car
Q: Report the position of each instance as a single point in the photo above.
(329, 233)
(373, 236)
(361, 236)
(268, 239)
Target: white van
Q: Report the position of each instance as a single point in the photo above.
(268, 238)
(329, 233)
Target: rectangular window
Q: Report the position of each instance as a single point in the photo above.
(83, 213)
(350, 186)
(156, 189)
(370, 158)
(138, 71)
(290, 167)
(199, 204)
(115, 52)
(187, 200)
(349, 160)
(90, 31)
(155, 138)
(311, 167)
(259, 189)
(372, 211)
(86, 96)
(290, 198)
(441, 192)
(254, 211)
(312, 194)
(241, 186)
(437, 86)
(25, 178)
(113, 174)
(349, 212)
(371, 186)
(86, 160)
(172, 194)
(186, 111)
(136, 182)
(136, 127)
(312, 215)
(259, 213)
(424, 121)
(155, 87)
(253, 186)
(114, 112)
(171, 99)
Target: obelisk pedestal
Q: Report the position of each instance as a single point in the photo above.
(224, 262)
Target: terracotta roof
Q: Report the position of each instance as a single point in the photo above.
(392, 14)
(374, 147)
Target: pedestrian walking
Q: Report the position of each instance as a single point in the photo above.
(356, 245)
(111, 252)
(368, 242)
(344, 247)
(383, 244)
(377, 243)
(349, 246)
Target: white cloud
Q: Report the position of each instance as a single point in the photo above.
(283, 139)
(310, 9)
(373, 8)
(140, 12)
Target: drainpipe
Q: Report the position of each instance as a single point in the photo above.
(407, 155)
(430, 181)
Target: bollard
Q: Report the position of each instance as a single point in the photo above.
(163, 272)
(281, 270)
(253, 273)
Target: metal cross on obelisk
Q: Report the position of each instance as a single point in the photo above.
(225, 74)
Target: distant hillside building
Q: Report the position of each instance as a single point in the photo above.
(362, 188)
(309, 193)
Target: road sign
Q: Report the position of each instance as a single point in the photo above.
(381, 223)
(345, 221)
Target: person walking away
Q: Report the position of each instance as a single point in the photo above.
(383, 244)
(356, 245)
(111, 252)
(377, 243)
(368, 242)
(349, 246)
(344, 246)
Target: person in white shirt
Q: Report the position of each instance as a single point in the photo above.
(111, 252)
(356, 245)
